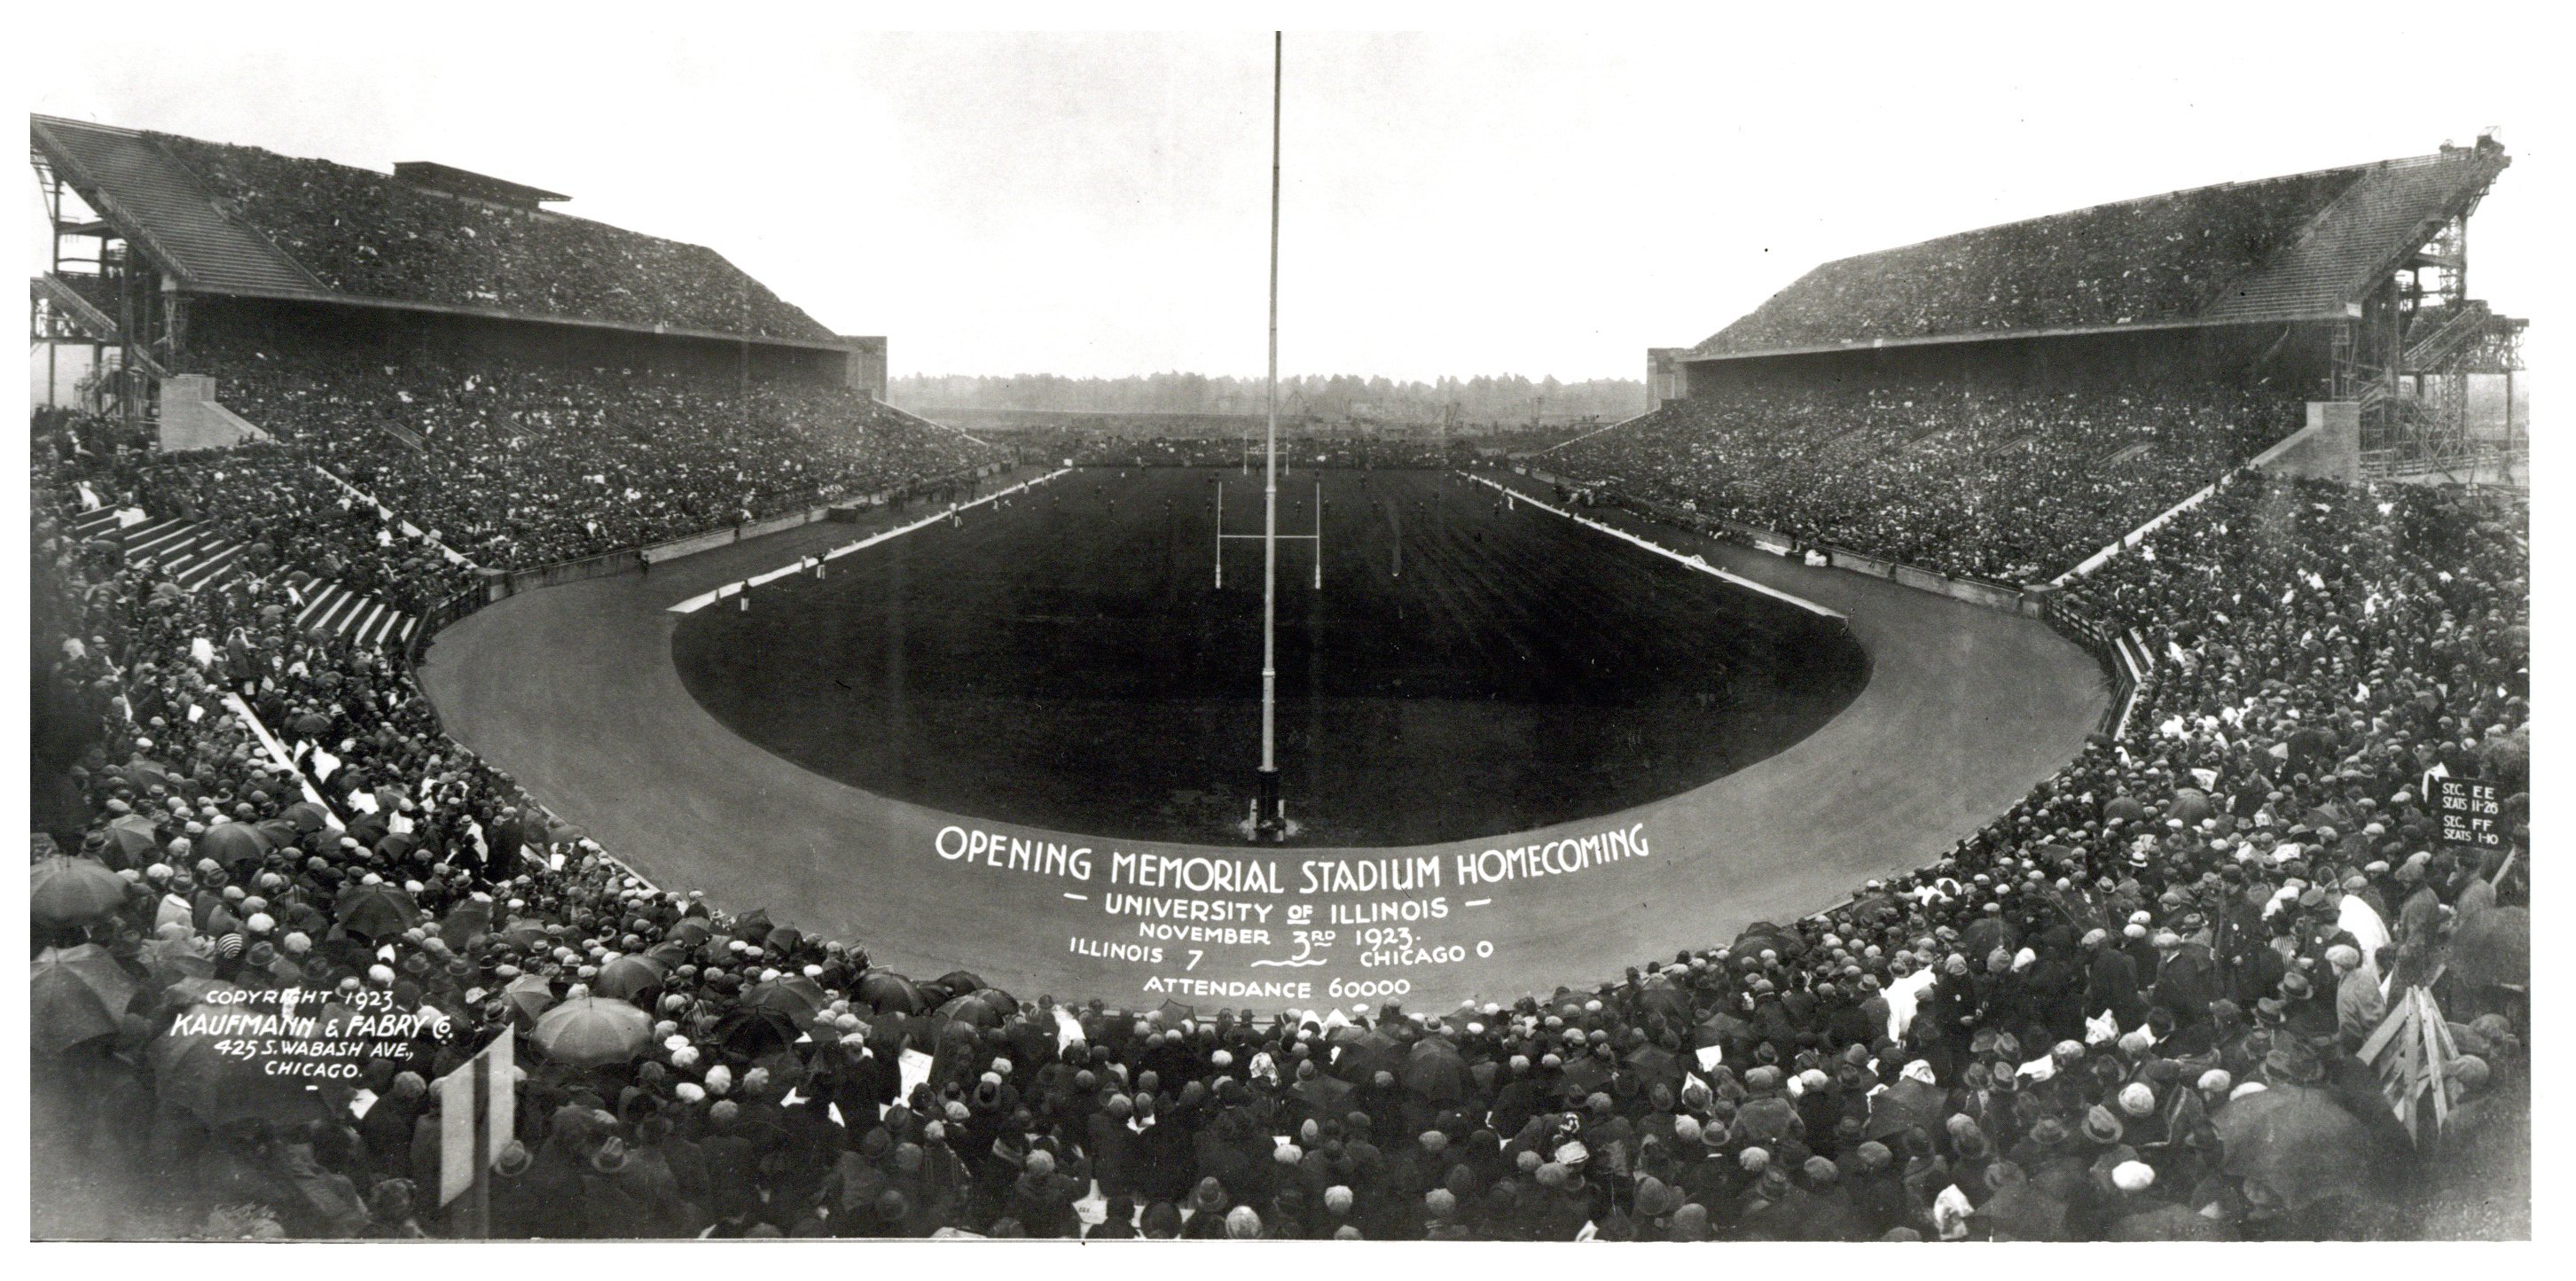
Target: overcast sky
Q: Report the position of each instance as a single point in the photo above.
(1457, 202)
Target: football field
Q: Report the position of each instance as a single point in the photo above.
(1469, 666)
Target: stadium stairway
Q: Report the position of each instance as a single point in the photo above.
(2462, 327)
(197, 558)
(68, 301)
(156, 201)
(2384, 213)
(334, 609)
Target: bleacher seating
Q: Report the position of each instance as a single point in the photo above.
(516, 463)
(2139, 261)
(2004, 486)
(366, 233)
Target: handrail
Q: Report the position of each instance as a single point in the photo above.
(2447, 337)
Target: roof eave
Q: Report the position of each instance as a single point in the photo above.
(497, 313)
(2005, 335)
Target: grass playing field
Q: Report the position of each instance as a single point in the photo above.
(1467, 668)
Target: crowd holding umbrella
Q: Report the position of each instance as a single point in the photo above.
(2090, 1020)
(591, 1031)
(2296, 1145)
(71, 892)
(79, 994)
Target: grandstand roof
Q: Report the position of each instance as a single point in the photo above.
(2298, 247)
(221, 219)
(466, 182)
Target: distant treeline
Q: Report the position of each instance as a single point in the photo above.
(1506, 398)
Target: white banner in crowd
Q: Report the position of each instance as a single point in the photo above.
(486, 1089)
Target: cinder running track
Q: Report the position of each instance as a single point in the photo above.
(573, 691)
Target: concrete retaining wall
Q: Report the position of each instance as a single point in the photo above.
(2328, 448)
(1873, 566)
(191, 418)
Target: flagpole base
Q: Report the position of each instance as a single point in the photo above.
(1267, 825)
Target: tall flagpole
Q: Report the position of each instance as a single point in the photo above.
(1266, 821)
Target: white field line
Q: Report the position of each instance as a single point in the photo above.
(703, 599)
(1576, 440)
(1695, 562)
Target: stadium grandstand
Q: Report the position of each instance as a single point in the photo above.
(525, 388)
(2343, 287)
(2183, 989)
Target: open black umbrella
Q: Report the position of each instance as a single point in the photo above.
(2493, 949)
(795, 996)
(1907, 1104)
(1719, 1029)
(1662, 996)
(1327, 1094)
(146, 774)
(465, 921)
(626, 977)
(523, 932)
(2296, 1141)
(979, 1009)
(1764, 936)
(1655, 1065)
(1585, 1074)
(1871, 910)
(132, 835)
(528, 997)
(306, 816)
(752, 1031)
(1434, 1071)
(197, 1070)
(367, 829)
(78, 994)
(1368, 1053)
(74, 891)
(379, 911)
(2024, 1212)
(233, 844)
(885, 991)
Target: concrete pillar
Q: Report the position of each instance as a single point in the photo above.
(865, 369)
(1667, 378)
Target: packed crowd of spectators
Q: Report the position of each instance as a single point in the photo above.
(2002, 485)
(1301, 450)
(516, 464)
(2095, 1019)
(2162, 258)
(368, 233)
